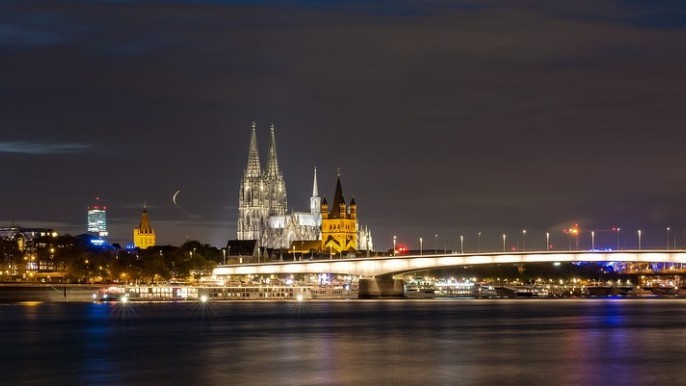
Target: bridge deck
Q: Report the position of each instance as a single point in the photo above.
(388, 265)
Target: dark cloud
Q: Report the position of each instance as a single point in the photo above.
(42, 148)
(445, 117)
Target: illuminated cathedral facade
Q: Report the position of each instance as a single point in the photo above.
(263, 205)
(263, 210)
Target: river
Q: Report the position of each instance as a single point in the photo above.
(356, 342)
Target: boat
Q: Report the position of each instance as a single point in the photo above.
(110, 294)
(202, 293)
(414, 291)
(257, 292)
(330, 293)
(639, 292)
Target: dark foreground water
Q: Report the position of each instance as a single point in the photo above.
(399, 342)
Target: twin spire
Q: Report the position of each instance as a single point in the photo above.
(272, 170)
(254, 169)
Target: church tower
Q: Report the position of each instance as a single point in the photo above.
(144, 235)
(262, 195)
(276, 185)
(253, 197)
(315, 201)
(339, 226)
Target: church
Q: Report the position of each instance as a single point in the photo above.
(263, 214)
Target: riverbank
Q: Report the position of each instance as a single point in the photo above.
(24, 292)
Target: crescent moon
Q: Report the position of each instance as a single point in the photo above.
(174, 198)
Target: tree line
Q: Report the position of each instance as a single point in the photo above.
(71, 259)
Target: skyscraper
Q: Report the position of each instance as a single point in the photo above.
(97, 218)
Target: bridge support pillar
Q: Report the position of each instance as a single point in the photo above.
(381, 288)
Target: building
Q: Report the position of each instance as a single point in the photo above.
(97, 219)
(339, 226)
(144, 235)
(263, 205)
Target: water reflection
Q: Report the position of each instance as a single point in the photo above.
(480, 342)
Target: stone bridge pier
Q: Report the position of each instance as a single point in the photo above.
(381, 287)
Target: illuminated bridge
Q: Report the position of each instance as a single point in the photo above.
(391, 265)
(379, 271)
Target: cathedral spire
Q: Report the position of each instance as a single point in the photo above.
(253, 169)
(315, 202)
(272, 161)
(315, 189)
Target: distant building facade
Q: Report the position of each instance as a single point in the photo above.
(97, 219)
(144, 235)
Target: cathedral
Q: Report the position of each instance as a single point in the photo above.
(263, 205)
(263, 210)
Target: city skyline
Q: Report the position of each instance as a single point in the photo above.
(448, 119)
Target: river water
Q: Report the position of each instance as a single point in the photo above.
(358, 342)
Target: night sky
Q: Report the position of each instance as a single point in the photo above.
(445, 118)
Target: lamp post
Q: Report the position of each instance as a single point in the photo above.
(504, 237)
(394, 238)
(224, 253)
(436, 243)
(667, 230)
(592, 240)
(421, 246)
(547, 241)
(479, 242)
(639, 239)
(618, 229)
(461, 244)
(524, 240)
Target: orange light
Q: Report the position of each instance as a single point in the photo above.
(573, 230)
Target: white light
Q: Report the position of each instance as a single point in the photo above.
(300, 297)
(203, 299)
(124, 299)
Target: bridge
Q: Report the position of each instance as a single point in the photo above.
(376, 273)
(392, 265)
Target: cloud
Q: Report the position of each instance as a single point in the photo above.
(25, 147)
(19, 36)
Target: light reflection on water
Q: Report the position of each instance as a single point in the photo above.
(400, 342)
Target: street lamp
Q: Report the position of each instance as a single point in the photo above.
(547, 241)
(224, 253)
(618, 229)
(504, 237)
(668, 229)
(479, 243)
(461, 244)
(394, 245)
(421, 246)
(639, 239)
(436, 243)
(592, 240)
(524, 240)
